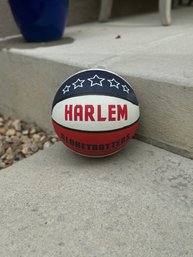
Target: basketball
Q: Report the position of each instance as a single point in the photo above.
(95, 113)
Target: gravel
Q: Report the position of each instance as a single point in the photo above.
(19, 140)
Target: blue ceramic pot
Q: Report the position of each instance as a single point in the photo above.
(40, 20)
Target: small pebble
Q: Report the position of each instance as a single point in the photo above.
(26, 150)
(3, 157)
(54, 140)
(34, 147)
(19, 156)
(32, 131)
(9, 154)
(3, 130)
(43, 139)
(10, 132)
(9, 150)
(17, 125)
(47, 144)
(25, 132)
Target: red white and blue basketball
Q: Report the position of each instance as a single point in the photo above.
(95, 113)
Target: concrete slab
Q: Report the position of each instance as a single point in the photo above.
(135, 203)
(156, 60)
(145, 48)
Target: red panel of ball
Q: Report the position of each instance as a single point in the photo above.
(95, 144)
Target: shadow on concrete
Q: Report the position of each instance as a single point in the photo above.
(20, 43)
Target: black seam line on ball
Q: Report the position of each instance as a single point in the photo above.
(95, 95)
(97, 132)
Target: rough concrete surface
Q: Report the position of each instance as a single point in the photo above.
(138, 202)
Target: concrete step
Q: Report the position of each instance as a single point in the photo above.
(156, 60)
(138, 202)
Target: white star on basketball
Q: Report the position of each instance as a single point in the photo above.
(113, 83)
(78, 83)
(66, 89)
(125, 88)
(96, 81)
